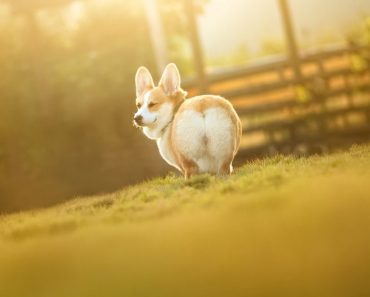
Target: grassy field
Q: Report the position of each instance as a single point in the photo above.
(277, 227)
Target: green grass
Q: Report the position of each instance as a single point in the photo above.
(277, 227)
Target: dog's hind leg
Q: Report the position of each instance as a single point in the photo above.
(226, 168)
(189, 167)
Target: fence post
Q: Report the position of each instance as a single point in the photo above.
(196, 46)
(290, 39)
(293, 55)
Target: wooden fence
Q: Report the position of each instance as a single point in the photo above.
(326, 107)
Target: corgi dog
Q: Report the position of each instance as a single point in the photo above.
(197, 135)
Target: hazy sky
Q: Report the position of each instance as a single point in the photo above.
(229, 23)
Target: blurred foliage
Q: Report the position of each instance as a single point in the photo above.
(358, 63)
(360, 34)
(239, 56)
(67, 98)
(272, 46)
(176, 30)
(302, 94)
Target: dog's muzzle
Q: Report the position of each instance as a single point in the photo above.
(138, 119)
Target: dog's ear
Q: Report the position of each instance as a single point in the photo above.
(170, 81)
(143, 80)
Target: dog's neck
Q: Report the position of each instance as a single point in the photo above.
(161, 128)
(176, 108)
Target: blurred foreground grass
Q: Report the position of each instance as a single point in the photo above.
(278, 227)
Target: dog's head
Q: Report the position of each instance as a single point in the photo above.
(156, 104)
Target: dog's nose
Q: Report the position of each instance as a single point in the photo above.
(138, 119)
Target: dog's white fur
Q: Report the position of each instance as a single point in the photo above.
(197, 135)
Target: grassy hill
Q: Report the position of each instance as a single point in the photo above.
(277, 227)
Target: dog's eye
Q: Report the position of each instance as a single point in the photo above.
(138, 105)
(151, 104)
